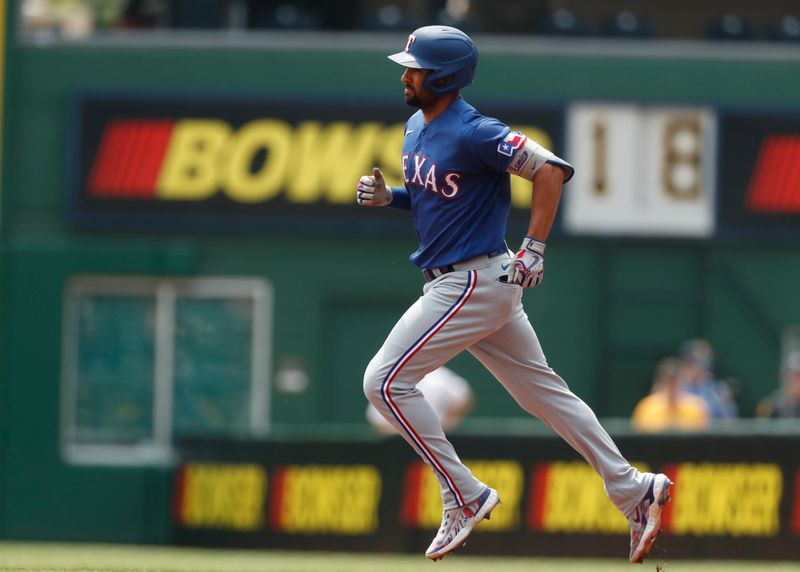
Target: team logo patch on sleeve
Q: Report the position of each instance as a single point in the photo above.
(510, 143)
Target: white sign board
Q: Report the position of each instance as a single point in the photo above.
(640, 170)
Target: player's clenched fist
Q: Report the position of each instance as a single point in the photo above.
(371, 191)
(528, 267)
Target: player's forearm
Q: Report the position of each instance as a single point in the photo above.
(400, 199)
(547, 183)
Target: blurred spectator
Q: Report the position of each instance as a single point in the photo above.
(786, 30)
(57, 19)
(627, 24)
(145, 14)
(729, 27)
(290, 16)
(562, 22)
(697, 375)
(785, 401)
(449, 394)
(198, 14)
(457, 13)
(386, 18)
(668, 406)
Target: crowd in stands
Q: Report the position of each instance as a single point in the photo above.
(686, 394)
(775, 21)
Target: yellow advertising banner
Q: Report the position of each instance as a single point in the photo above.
(186, 161)
(736, 496)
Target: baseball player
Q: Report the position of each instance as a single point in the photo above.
(456, 167)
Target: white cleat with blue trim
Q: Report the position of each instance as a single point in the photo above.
(457, 524)
(645, 520)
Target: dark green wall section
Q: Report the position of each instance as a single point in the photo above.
(607, 311)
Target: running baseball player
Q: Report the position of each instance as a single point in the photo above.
(456, 168)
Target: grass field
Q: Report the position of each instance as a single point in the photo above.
(87, 557)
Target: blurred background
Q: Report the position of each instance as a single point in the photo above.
(189, 295)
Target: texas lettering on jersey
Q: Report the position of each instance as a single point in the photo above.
(421, 170)
(454, 159)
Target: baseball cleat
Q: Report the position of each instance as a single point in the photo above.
(457, 524)
(645, 520)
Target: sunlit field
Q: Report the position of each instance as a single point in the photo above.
(80, 557)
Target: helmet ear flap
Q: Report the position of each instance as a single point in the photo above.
(444, 81)
(437, 83)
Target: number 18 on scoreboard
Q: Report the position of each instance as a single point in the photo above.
(641, 170)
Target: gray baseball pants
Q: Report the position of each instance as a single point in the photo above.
(471, 309)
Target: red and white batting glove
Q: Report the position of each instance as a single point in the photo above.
(528, 267)
(371, 191)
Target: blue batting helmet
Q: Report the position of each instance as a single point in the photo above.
(447, 52)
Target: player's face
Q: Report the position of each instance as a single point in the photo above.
(415, 95)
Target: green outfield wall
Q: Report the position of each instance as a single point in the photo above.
(610, 307)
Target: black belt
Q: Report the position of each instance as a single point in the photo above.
(431, 274)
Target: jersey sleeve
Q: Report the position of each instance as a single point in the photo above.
(488, 145)
(400, 199)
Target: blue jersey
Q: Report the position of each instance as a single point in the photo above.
(456, 184)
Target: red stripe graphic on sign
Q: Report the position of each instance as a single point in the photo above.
(766, 164)
(275, 515)
(150, 165)
(775, 184)
(128, 134)
(137, 143)
(178, 501)
(129, 158)
(796, 519)
(106, 161)
(672, 471)
(781, 174)
(411, 494)
(538, 496)
(791, 191)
